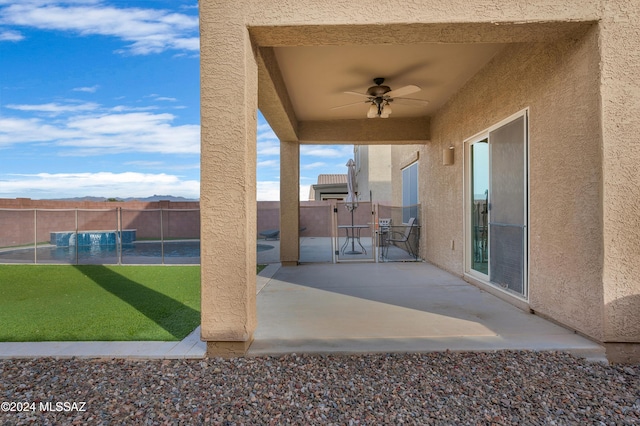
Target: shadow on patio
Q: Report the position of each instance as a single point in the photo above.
(395, 307)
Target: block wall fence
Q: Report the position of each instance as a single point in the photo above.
(179, 219)
(17, 218)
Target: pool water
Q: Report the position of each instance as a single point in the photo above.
(137, 253)
(152, 252)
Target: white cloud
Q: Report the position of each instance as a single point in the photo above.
(269, 163)
(105, 134)
(8, 35)
(157, 97)
(136, 131)
(147, 30)
(268, 190)
(268, 148)
(194, 6)
(332, 151)
(46, 2)
(163, 165)
(315, 165)
(304, 192)
(14, 131)
(266, 134)
(55, 108)
(91, 89)
(122, 108)
(144, 163)
(105, 184)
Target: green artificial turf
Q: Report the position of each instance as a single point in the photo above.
(97, 302)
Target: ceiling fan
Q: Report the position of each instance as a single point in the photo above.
(380, 96)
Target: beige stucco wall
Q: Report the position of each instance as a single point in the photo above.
(558, 82)
(354, 13)
(374, 173)
(290, 202)
(379, 173)
(361, 158)
(229, 100)
(620, 66)
(401, 157)
(584, 179)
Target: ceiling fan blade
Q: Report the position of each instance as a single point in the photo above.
(358, 94)
(348, 105)
(411, 101)
(403, 91)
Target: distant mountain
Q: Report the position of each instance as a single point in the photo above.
(145, 199)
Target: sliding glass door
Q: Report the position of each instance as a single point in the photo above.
(497, 205)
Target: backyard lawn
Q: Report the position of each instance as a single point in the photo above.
(97, 302)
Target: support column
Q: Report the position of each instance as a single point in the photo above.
(289, 203)
(228, 180)
(621, 181)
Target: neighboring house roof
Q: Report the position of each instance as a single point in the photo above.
(328, 183)
(332, 179)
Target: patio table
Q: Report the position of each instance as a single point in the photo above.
(353, 234)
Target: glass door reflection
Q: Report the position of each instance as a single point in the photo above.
(479, 206)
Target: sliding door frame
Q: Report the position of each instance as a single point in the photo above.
(468, 254)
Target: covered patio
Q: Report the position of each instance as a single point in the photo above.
(560, 76)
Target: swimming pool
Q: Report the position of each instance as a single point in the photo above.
(181, 252)
(139, 252)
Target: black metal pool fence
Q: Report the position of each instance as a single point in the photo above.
(121, 235)
(100, 236)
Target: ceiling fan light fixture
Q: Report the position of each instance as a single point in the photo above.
(380, 96)
(386, 110)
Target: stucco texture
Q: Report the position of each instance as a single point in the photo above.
(289, 196)
(620, 50)
(558, 83)
(228, 179)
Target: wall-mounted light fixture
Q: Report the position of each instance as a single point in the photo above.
(447, 156)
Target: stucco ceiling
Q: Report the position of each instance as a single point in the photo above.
(303, 72)
(316, 77)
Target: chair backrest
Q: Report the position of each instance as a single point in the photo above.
(409, 228)
(384, 223)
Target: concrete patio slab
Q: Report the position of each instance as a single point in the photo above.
(395, 307)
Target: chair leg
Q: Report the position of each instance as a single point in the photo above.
(409, 250)
(385, 250)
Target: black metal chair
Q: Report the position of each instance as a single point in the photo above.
(402, 237)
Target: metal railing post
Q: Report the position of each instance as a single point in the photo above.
(161, 236)
(119, 234)
(376, 229)
(333, 211)
(35, 236)
(76, 236)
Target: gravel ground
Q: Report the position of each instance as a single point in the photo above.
(439, 388)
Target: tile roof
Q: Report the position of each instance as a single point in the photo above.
(332, 178)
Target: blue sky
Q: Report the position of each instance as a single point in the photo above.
(101, 98)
